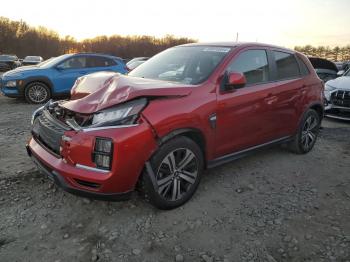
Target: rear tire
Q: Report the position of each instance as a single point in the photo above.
(37, 93)
(306, 136)
(177, 168)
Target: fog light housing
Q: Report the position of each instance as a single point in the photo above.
(103, 153)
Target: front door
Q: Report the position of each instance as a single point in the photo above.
(68, 71)
(244, 116)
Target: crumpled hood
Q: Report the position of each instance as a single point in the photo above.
(342, 82)
(101, 90)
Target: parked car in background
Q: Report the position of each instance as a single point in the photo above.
(135, 62)
(342, 67)
(32, 60)
(158, 131)
(325, 69)
(56, 76)
(8, 62)
(337, 97)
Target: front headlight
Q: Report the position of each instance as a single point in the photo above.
(329, 87)
(11, 83)
(123, 114)
(36, 113)
(327, 91)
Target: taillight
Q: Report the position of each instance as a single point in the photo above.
(103, 153)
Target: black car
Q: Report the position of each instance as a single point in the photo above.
(32, 60)
(9, 62)
(325, 69)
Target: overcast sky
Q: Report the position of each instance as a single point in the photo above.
(284, 22)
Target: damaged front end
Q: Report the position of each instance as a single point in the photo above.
(119, 115)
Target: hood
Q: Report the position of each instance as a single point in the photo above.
(20, 70)
(320, 63)
(342, 82)
(101, 90)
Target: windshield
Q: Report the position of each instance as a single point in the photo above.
(7, 57)
(53, 61)
(184, 64)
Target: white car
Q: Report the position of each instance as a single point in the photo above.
(337, 97)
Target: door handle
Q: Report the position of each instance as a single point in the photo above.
(268, 95)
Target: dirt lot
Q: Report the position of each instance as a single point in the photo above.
(270, 206)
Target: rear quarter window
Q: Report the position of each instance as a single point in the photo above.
(304, 70)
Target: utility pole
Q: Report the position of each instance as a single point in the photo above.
(237, 37)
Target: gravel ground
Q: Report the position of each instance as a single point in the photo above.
(270, 206)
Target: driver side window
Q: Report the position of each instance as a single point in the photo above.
(74, 63)
(253, 64)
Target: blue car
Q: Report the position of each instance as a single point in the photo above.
(56, 76)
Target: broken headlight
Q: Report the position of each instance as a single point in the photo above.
(121, 115)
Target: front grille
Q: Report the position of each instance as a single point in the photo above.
(341, 98)
(49, 131)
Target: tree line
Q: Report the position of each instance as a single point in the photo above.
(17, 37)
(334, 54)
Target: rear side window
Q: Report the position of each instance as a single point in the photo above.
(97, 61)
(253, 64)
(286, 65)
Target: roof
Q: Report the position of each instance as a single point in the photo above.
(235, 44)
(98, 54)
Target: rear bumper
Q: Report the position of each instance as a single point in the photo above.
(60, 181)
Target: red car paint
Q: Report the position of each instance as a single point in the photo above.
(246, 117)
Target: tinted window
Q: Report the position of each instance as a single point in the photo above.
(253, 64)
(97, 61)
(304, 70)
(75, 62)
(287, 66)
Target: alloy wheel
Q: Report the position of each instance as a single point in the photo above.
(37, 93)
(309, 132)
(176, 174)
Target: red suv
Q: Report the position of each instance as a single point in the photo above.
(188, 108)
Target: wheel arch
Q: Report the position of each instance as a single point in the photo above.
(318, 108)
(42, 79)
(192, 133)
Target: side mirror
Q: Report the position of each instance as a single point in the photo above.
(60, 67)
(234, 80)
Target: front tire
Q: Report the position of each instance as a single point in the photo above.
(307, 133)
(177, 168)
(37, 93)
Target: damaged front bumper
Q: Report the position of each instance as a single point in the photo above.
(60, 181)
(67, 156)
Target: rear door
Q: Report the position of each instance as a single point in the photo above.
(288, 91)
(244, 116)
